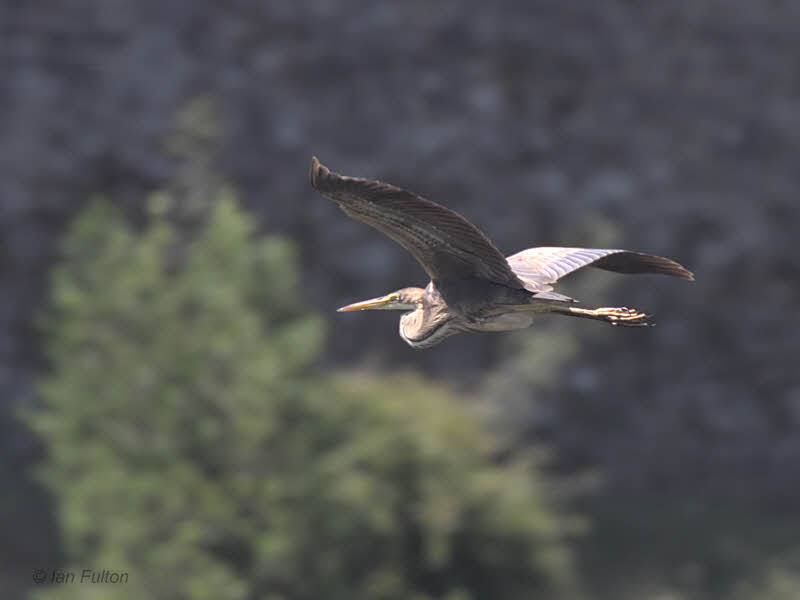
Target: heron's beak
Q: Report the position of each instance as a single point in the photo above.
(382, 303)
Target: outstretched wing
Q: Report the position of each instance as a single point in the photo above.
(540, 267)
(446, 245)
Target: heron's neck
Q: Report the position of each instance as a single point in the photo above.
(426, 326)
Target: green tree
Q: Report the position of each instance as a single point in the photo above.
(193, 443)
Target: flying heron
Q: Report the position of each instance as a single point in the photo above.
(473, 287)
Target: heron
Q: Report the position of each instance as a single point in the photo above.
(473, 287)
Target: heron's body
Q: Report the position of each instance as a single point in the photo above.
(434, 319)
(473, 288)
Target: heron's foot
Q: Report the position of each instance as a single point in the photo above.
(627, 317)
(624, 316)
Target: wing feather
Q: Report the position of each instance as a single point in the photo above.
(446, 245)
(538, 268)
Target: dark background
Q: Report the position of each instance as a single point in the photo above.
(672, 128)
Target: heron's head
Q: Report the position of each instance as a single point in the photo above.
(405, 299)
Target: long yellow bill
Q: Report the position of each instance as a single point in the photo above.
(373, 304)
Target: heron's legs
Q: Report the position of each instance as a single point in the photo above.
(616, 316)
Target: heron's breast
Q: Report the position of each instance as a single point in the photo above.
(430, 337)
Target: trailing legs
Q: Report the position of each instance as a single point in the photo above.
(627, 317)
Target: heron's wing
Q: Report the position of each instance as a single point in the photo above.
(540, 267)
(446, 245)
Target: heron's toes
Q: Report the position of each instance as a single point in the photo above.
(628, 317)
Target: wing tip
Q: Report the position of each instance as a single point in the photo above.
(317, 172)
(666, 266)
(678, 270)
(632, 262)
(674, 269)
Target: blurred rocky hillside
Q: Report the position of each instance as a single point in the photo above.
(669, 127)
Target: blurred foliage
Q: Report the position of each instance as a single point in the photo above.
(195, 144)
(193, 443)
